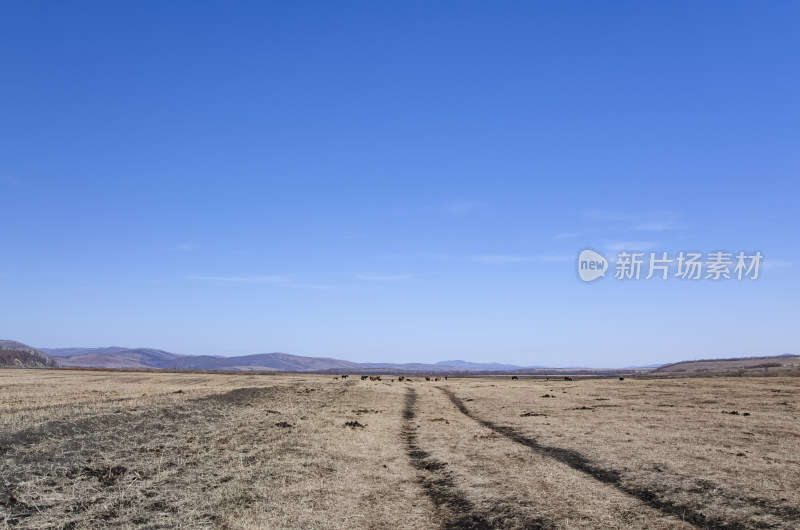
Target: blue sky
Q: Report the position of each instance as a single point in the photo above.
(407, 181)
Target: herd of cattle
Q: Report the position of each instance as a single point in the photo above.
(378, 378)
(404, 378)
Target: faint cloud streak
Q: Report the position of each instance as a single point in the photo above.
(775, 263)
(455, 210)
(657, 226)
(273, 278)
(269, 279)
(653, 221)
(515, 258)
(384, 278)
(632, 245)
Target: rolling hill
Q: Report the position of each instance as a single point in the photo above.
(733, 366)
(149, 358)
(121, 357)
(467, 365)
(15, 354)
(113, 357)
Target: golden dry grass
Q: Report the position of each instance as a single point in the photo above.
(96, 449)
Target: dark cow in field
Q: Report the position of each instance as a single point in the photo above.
(567, 378)
(364, 377)
(335, 378)
(344, 377)
(401, 378)
(514, 378)
(445, 378)
(622, 379)
(427, 379)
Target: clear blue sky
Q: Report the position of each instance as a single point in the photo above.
(397, 181)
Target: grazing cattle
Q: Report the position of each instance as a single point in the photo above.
(401, 378)
(438, 379)
(409, 380)
(548, 379)
(445, 378)
(514, 378)
(364, 377)
(373, 378)
(344, 377)
(335, 378)
(622, 379)
(567, 378)
(427, 379)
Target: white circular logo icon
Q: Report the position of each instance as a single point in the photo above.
(591, 265)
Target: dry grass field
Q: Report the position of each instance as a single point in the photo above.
(169, 450)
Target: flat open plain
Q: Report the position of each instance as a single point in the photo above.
(166, 450)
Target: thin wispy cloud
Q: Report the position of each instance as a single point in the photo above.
(654, 225)
(272, 278)
(632, 245)
(651, 221)
(775, 263)
(156, 281)
(658, 225)
(384, 277)
(350, 235)
(517, 258)
(480, 258)
(566, 235)
(455, 210)
(605, 215)
(339, 233)
(269, 279)
(438, 256)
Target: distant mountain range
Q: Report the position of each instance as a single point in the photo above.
(17, 354)
(495, 367)
(121, 357)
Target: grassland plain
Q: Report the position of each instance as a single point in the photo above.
(186, 450)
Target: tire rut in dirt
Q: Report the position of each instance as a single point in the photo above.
(439, 485)
(650, 497)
